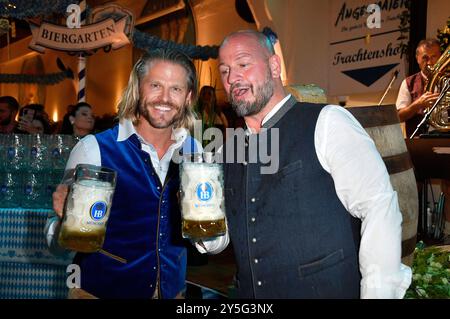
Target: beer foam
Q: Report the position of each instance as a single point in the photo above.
(208, 177)
(83, 195)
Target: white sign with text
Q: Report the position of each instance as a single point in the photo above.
(367, 45)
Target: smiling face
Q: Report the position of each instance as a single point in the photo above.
(246, 73)
(164, 94)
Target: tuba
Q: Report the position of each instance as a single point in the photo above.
(438, 75)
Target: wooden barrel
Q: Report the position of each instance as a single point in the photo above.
(383, 126)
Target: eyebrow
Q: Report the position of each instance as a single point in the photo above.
(240, 56)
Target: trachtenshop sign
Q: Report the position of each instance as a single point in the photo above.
(367, 45)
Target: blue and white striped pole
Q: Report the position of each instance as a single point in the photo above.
(82, 61)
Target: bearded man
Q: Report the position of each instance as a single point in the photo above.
(143, 255)
(8, 111)
(327, 223)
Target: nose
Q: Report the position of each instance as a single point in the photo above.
(165, 96)
(233, 76)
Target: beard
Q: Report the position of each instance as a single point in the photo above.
(163, 120)
(5, 122)
(262, 94)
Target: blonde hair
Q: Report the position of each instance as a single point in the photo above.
(130, 99)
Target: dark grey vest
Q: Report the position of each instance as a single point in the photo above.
(291, 235)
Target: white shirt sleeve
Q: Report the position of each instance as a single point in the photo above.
(362, 184)
(86, 151)
(214, 245)
(403, 97)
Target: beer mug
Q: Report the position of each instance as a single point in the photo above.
(87, 208)
(202, 199)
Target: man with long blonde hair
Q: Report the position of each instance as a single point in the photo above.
(143, 255)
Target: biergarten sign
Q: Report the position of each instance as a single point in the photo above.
(111, 26)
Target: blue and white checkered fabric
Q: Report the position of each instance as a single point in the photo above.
(27, 269)
(22, 237)
(32, 281)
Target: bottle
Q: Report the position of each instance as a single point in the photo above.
(9, 190)
(37, 153)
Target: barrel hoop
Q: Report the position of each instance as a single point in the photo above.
(408, 246)
(372, 116)
(398, 163)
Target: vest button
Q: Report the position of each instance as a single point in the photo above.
(253, 199)
(254, 239)
(256, 260)
(259, 283)
(253, 219)
(244, 163)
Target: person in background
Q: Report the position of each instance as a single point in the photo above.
(326, 222)
(143, 255)
(8, 111)
(79, 120)
(33, 120)
(412, 100)
(208, 109)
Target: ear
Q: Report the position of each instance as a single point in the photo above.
(275, 66)
(189, 98)
(71, 119)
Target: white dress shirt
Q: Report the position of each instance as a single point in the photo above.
(363, 186)
(403, 97)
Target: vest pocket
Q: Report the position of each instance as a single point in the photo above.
(112, 256)
(321, 264)
(290, 168)
(287, 182)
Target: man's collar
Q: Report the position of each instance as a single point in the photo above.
(272, 112)
(127, 129)
(275, 109)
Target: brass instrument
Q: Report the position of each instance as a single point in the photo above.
(437, 76)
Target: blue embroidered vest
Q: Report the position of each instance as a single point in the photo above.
(143, 229)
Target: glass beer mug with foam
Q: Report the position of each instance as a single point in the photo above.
(87, 208)
(202, 199)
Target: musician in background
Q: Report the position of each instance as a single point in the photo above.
(412, 100)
